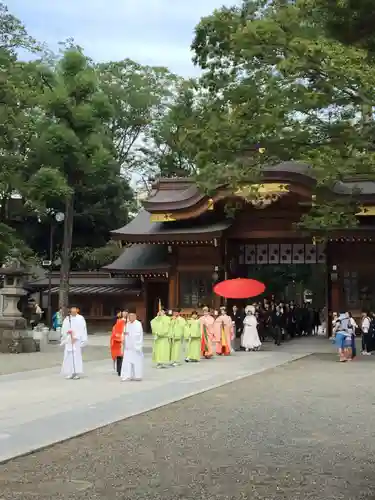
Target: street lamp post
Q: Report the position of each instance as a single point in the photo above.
(55, 217)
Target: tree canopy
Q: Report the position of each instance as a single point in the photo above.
(280, 83)
(281, 80)
(349, 21)
(75, 130)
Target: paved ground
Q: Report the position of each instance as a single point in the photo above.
(38, 407)
(52, 356)
(98, 349)
(13, 363)
(301, 431)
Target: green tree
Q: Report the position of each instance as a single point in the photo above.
(13, 34)
(73, 150)
(172, 144)
(279, 82)
(25, 114)
(19, 84)
(98, 210)
(87, 258)
(349, 21)
(153, 122)
(139, 95)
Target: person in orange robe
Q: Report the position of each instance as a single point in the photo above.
(117, 340)
(223, 333)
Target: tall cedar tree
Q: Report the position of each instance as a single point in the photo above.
(73, 150)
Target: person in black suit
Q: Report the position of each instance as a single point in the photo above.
(237, 318)
(291, 321)
(277, 321)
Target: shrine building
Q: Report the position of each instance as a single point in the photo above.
(183, 241)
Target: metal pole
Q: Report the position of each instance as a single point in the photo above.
(49, 314)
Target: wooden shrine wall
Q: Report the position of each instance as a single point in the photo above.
(276, 253)
(277, 221)
(193, 276)
(198, 257)
(352, 266)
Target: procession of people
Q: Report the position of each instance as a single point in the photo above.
(177, 339)
(213, 333)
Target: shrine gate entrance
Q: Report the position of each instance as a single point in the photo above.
(291, 271)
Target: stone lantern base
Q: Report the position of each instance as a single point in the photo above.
(14, 336)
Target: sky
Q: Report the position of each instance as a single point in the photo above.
(153, 32)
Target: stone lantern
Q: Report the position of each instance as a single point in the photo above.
(14, 336)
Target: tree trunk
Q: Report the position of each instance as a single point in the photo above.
(65, 256)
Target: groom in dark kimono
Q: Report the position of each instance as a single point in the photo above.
(237, 318)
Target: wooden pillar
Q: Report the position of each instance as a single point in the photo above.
(216, 301)
(221, 265)
(173, 290)
(145, 302)
(333, 287)
(335, 296)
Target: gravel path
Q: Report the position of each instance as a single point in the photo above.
(303, 431)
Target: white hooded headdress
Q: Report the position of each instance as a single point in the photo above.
(250, 309)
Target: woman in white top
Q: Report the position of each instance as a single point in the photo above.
(352, 329)
(365, 327)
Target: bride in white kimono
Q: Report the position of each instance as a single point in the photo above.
(250, 337)
(73, 338)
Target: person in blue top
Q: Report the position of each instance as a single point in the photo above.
(57, 320)
(343, 338)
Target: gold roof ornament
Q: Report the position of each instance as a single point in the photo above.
(162, 218)
(367, 211)
(317, 240)
(262, 195)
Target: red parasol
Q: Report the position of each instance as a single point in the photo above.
(240, 288)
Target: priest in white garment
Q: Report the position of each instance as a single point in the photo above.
(73, 338)
(132, 364)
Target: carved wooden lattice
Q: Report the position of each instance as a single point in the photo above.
(283, 253)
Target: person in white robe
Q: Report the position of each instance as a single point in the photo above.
(132, 364)
(250, 337)
(73, 338)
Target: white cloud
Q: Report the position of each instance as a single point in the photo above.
(157, 32)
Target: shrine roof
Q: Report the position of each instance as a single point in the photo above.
(174, 191)
(175, 195)
(140, 259)
(88, 282)
(363, 187)
(141, 230)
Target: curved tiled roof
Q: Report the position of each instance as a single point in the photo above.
(141, 230)
(182, 194)
(164, 197)
(88, 283)
(138, 259)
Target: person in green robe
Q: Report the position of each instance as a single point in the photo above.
(176, 333)
(161, 351)
(193, 338)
